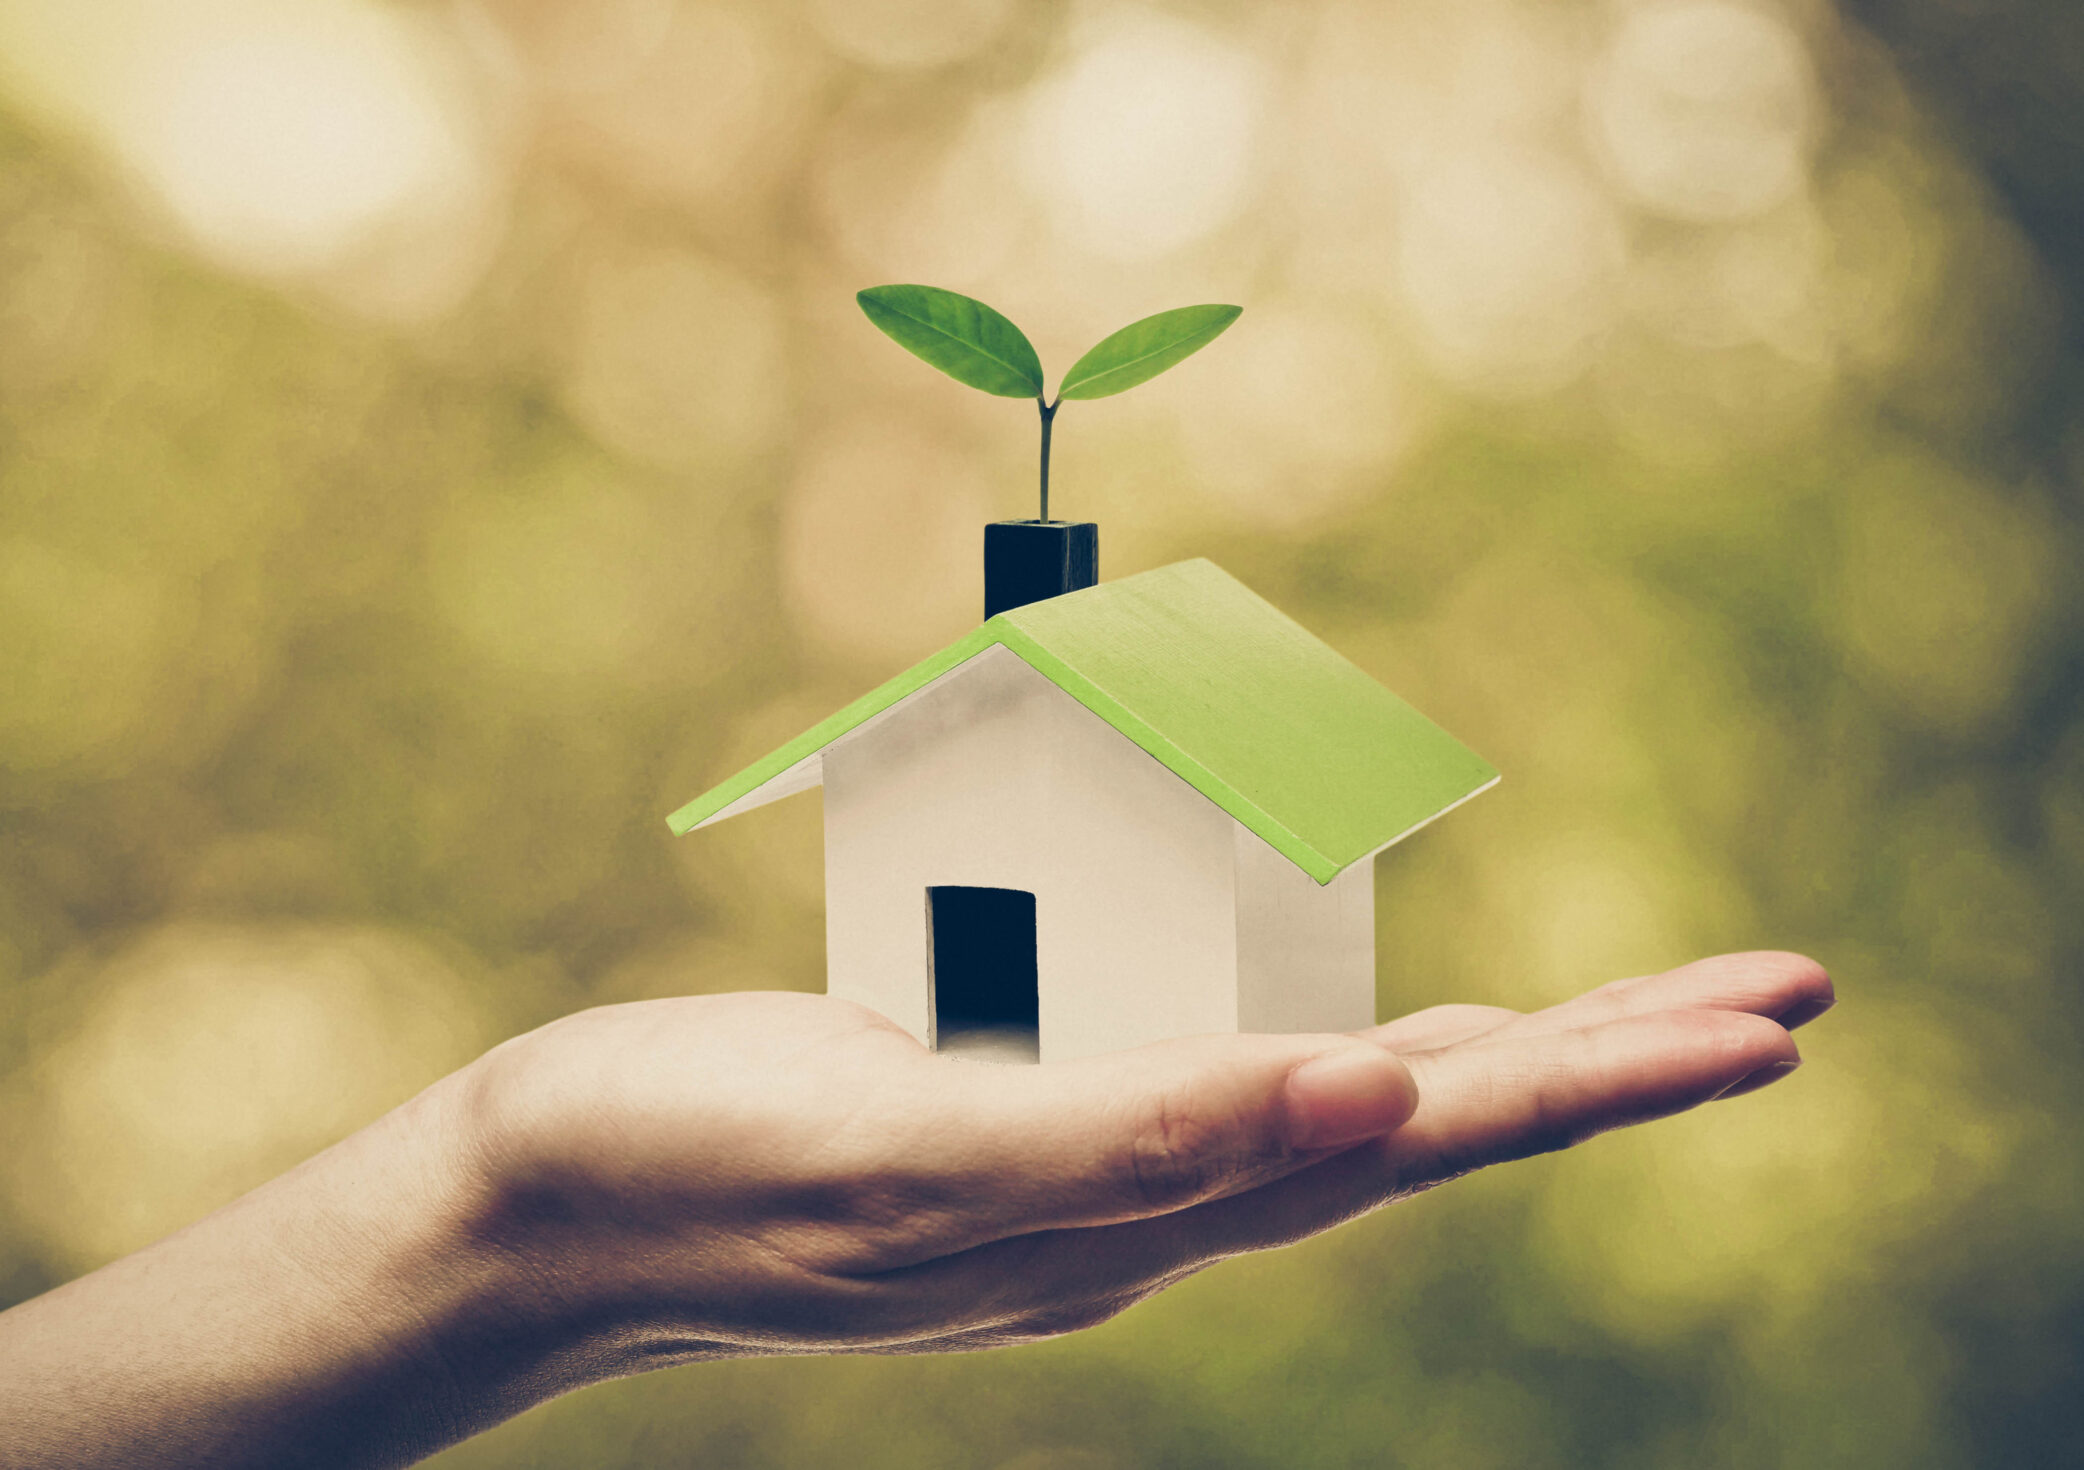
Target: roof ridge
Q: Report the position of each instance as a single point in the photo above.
(1182, 763)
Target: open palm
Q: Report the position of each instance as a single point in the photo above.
(784, 1173)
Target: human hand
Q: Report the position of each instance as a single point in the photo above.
(775, 1173)
(763, 1173)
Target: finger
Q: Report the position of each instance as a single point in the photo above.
(1168, 1126)
(1478, 1105)
(1439, 1026)
(1505, 1099)
(1765, 1076)
(1143, 1132)
(1493, 1102)
(1790, 989)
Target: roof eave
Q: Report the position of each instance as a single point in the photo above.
(728, 798)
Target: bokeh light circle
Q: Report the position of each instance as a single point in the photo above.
(1511, 266)
(1146, 141)
(1703, 109)
(908, 34)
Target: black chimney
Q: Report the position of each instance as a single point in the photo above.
(1026, 561)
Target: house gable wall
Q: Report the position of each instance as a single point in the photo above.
(994, 777)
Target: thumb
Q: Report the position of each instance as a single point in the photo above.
(1166, 1126)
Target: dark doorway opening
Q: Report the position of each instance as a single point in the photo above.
(980, 964)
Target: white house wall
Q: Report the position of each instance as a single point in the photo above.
(1305, 952)
(993, 777)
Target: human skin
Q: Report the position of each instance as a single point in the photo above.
(771, 1173)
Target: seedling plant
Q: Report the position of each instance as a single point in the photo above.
(976, 345)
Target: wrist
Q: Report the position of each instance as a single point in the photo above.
(462, 1290)
(426, 1333)
(534, 1285)
(581, 1248)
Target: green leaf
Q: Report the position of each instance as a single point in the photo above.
(964, 338)
(1142, 350)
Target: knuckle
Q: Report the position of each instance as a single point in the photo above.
(1528, 1112)
(1180, 1152)
(859, 1313)
(1537, 1099)
(856, 1227)
(1165, 1162)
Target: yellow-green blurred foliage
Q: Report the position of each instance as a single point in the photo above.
(437, 438)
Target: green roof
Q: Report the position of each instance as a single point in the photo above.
(1230, 694)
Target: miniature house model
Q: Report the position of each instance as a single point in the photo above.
(1139, 810)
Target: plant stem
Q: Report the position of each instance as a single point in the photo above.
(1048, 418)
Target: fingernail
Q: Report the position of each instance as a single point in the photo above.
(1345, 1096)
(1752, 1082)
(1803, 1012)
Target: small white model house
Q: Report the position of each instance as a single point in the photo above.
(1136, 811)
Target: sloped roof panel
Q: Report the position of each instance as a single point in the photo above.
(1237, 699)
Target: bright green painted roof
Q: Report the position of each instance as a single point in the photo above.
(1230, 694)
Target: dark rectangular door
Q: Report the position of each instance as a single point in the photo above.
(980, 958)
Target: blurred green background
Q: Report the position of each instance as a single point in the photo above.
(436, 439)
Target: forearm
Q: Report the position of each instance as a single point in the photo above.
(342, 1315)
